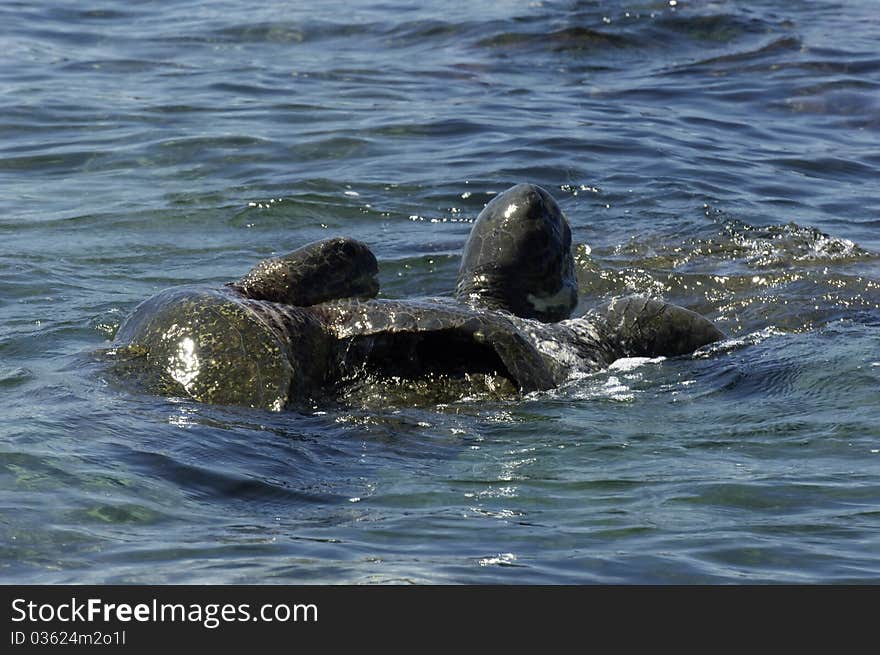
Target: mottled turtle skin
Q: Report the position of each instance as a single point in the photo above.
(302, 326)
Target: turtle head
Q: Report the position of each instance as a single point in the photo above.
(324, 270)
(518, 257)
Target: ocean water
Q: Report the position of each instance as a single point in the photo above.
(721, 155)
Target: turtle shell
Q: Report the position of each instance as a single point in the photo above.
(209, 345)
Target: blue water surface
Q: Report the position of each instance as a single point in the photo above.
(721, 155)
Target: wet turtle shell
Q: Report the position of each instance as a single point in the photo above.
(249, 343)
(216, 347)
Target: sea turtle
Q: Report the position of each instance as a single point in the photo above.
(299, 326)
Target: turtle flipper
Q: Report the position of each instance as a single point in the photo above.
(637, 326)
(331, 269)
(409, 339)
